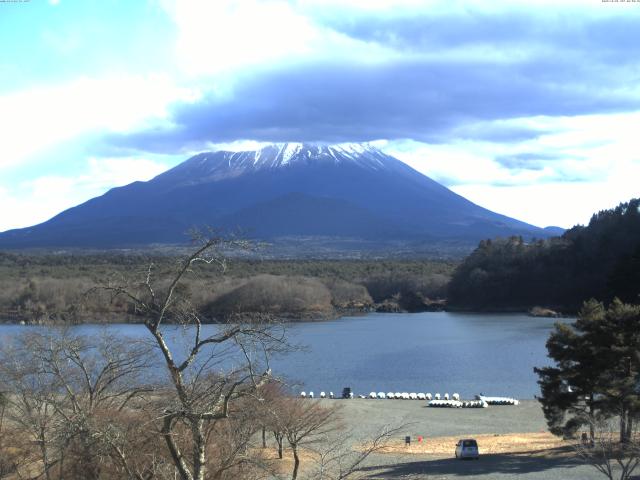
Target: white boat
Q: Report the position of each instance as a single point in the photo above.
(474, 404)
(445, 404)
(498, 400)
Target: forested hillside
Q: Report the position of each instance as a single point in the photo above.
(601, 260)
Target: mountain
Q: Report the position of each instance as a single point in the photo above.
(286, 190)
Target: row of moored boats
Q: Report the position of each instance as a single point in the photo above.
(436, 400)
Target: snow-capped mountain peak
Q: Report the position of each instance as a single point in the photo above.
(223, 164)
(292, 190)
(285, 154)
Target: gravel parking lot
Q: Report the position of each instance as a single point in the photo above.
(364, 417)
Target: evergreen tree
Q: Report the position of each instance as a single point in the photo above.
(597, 369)
(601, 261)
(621, 392)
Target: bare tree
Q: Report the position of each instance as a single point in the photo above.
(318, 431)
(270, 410)
(337, 459)
(606, 453)
(100, 408)
(8, 456)
(211, 372)
(3, 408)
(31, 408)
(64, 390)
(306, 422)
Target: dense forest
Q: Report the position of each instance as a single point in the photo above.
(601, 260)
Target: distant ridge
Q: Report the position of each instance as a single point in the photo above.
(352, 191)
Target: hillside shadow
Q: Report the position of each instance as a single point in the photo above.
(510, 464)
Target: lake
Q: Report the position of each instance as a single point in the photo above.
(423, 352)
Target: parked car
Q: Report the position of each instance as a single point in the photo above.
(467, 448)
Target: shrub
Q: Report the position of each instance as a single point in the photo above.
(276, 295)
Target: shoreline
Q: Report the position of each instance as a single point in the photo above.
(7, 318)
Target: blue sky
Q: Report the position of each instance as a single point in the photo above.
(530, 109)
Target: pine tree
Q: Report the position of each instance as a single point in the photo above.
(597, 369)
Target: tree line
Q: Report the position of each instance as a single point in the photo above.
(52, 289)
(601, 260)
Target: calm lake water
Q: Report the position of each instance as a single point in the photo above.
(423, 352)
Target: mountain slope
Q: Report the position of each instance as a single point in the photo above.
(350, 191)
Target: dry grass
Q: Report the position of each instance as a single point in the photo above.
(284, 465)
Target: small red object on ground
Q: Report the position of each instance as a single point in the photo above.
(419, 438)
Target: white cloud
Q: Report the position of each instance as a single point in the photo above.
(104, 173)
(35, 201)
(593, 164)
(223, 36)
(238, 146)
(462, 162)
(370, 4)
(558, 204)
(36, 119)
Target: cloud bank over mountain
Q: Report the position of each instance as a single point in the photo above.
(503, 102)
